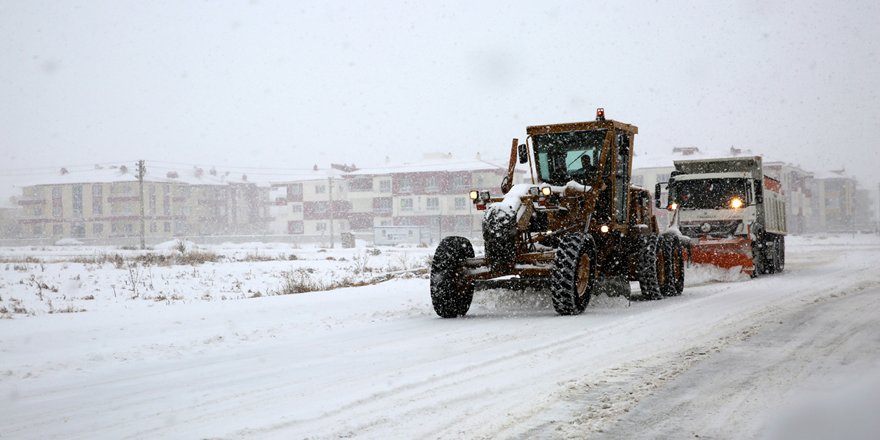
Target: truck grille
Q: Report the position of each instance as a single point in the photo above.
(723, 228)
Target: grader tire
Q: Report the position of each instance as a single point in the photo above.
(573, 277)
(651, 268)
(673, 253)
(451, 292)
(499, 238)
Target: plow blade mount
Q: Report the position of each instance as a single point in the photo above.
(724, 253)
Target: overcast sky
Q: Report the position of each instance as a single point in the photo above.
(288, 84)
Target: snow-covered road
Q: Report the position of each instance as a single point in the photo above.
(724, 360)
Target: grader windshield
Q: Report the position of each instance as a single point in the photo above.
(562, 157)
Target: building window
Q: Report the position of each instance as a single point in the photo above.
(78, 230)
(77, 201)
(385, 186)
(38, 230)
(361, 184)
(663, 178)
(459, 181)
(320, 226)
(433, 204)
(295, 227)
(97, 229)
(56, 202)
(406, 185)
(406, 204)
(432, 184)
(97, 199)
(460, 203)
(153, 227)
(382, 205)
(320, 189)
(57, 229)
(167, 226)
(638, 180)
(296, 209)
(166, 203)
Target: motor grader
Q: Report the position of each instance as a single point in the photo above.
(579, 220)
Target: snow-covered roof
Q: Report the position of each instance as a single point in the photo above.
(110, 174)
(432, 165)
(653, 160)
(303, 175)
(832, 174)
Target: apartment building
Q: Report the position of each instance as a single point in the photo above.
(432, 193)
(834, 202)
(312, 205)
(104, 204)
(797, 189)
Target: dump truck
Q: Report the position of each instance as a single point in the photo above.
(733, 213)
(579, 220)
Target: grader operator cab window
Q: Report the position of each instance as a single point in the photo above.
(562, 157)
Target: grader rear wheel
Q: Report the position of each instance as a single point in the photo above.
(574, 274)
(651, 268)
(673, 254)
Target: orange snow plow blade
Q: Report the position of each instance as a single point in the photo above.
(724, 253)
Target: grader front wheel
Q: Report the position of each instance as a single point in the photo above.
(451, 292)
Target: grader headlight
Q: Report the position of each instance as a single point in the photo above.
(546, 191)
(736, 203)
(473, 194)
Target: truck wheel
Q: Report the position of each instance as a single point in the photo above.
(780, 254)
(651, 268)
(673, 253)
(451, 291)
(574, 274)
(771, 259)
(758, 260)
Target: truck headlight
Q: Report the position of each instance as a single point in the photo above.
(736, 203)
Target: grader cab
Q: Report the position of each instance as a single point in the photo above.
(579, 220)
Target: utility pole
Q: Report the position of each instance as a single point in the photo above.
(141, 170)
(330, 208)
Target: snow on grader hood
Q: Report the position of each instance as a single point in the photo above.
(578, 220)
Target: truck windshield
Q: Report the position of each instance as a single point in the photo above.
(708, 193)
(562, 157)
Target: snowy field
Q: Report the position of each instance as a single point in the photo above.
(270, 341)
